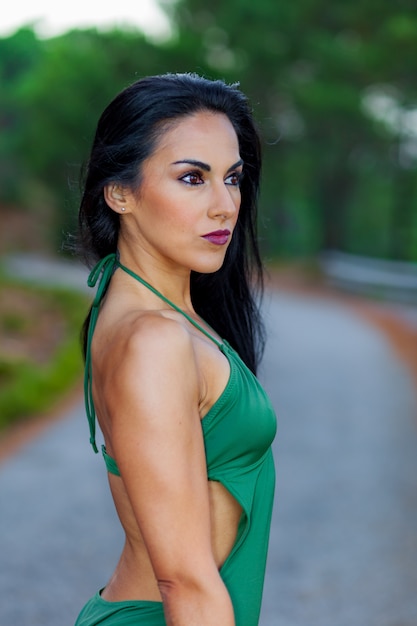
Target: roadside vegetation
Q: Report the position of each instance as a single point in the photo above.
(337, 109)
(40, 354)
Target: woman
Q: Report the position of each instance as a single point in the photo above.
(168, 211)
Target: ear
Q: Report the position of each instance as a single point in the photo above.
(117, 198)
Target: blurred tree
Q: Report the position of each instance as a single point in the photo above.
(309, 64)
(80, 73)
(333, 89)
(19, 55)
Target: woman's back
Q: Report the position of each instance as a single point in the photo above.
(122, 321)
(237, 427)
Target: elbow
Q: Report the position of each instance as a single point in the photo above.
(196, 600)
(178, 586)
(184, 587)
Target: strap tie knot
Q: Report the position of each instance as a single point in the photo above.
(101, 273)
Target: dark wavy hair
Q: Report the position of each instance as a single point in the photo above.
(126, 135)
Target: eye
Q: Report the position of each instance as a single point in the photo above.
(234, 179)
(192, 178)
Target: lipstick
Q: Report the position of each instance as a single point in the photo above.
(218, 237)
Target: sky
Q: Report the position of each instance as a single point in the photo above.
(51, 18)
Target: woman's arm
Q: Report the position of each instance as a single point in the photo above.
(156, 438)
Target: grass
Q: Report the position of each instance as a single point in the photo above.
(40, 355)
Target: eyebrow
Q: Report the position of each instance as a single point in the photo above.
(205, 166)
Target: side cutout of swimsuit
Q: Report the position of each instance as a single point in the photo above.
(226, 516)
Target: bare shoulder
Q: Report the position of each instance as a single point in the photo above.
(147, 354)
(154, 336)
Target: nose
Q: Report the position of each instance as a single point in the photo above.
(225, 201)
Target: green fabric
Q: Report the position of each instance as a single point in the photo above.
(131, 613)
(102, 272)
(110, 462)
(238, 432)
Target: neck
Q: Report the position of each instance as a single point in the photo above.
(173, 283)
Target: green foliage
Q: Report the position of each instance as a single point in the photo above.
(19, 56)
(29, 386)
(311, 65)
(339, 167)
(79, 73)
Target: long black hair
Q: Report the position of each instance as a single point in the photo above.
(126, 135)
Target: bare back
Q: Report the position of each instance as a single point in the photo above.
(134, 335)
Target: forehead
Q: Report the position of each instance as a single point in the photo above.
(202, 133)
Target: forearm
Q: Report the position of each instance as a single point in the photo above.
(196, 605)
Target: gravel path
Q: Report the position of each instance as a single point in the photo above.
(344, 541)
(344, 536)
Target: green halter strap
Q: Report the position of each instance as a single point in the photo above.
(171, 304)
(102, 274)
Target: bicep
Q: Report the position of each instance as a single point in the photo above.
(158, 444)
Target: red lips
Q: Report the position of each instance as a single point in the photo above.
(218, 237)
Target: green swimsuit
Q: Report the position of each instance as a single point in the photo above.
(238, 431)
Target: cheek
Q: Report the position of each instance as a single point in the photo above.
(171, 213)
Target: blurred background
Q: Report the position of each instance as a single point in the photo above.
(334, 90)
(332, 84)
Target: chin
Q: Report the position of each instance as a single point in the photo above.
(209, 267)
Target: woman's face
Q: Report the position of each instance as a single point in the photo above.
(187, 206)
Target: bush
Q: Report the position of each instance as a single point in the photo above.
(40, 353)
